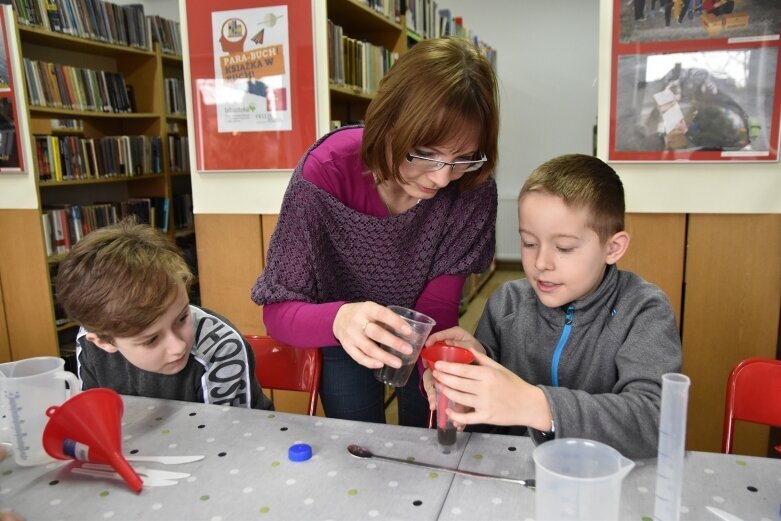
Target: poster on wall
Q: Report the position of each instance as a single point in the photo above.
(10, 138)
(695, 80)
(253, 83)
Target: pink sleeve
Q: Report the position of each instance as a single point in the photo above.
(440, 300)
(302, 324)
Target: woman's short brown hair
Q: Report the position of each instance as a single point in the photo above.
(440, 90)
(583, 181)
(118, 280)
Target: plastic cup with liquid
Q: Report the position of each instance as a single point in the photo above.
(27, 388)
(446, 432)
(421, 327)
(578, 480)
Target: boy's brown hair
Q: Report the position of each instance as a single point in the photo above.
(440, 90)
(583, 181)
(118, 280)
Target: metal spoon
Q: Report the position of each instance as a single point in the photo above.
(362, 452)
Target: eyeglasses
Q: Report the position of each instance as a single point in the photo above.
(434, 165)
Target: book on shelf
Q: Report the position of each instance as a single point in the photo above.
(63, 86)
(91, 19)
(64, 225)
(62, 158)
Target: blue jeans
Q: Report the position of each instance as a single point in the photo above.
(349, 391)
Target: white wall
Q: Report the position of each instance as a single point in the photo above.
(547, 68)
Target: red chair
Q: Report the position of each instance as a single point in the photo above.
(753, 395)
(287, 368)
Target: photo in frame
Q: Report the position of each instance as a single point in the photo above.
(666, 20)
(697, 99)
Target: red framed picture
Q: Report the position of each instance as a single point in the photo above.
(695, 80)
(11, 156)
(252, 77)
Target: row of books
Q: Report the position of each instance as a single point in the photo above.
(93, 19)
(426, 19)
(62, 86)
(356, 63)
(390, 9)
(183, 211)
(174, 96)
(64, 226)
(167, 33)
(178, 154)
(72, 157)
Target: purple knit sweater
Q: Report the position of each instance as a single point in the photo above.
(323, 251)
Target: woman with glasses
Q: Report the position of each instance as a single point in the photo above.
(398, 211)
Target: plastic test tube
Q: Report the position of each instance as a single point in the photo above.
(672, 438)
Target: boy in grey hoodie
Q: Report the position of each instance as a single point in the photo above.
(577, 348)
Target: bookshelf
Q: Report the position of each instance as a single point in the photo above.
(108, 138)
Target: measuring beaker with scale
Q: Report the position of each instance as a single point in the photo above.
(27, 388)
(578, 480)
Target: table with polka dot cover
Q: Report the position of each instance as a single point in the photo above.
(246, 473)
(748, 487)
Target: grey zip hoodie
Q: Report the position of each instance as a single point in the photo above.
(599, 360)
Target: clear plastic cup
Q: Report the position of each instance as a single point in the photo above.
(421, 327)
(578, 480)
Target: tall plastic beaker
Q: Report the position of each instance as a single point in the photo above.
(578, 480)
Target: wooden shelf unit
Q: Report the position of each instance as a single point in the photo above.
(32, 328)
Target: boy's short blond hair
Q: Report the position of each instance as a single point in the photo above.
(583, 181)
(118, 280)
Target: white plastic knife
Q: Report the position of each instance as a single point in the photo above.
(152, 473)
(726, 516)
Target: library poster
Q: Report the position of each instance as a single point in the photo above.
(250, 69)
(695, 80)
(10, 156)
(253, 83)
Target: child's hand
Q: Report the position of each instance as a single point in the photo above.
(456, 336)
(496, 395)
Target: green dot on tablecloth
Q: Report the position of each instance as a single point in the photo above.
(352, 492)
(104, 493)
(478, 456)
(204, 497)
(646, 518)
(433, 475)
(275, 464)
(165, 431)
(410, 458)
(264, 510)
(7, 472)
(741, 462)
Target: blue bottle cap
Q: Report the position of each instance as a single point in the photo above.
(299, 452)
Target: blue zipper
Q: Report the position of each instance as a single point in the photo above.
(554, 370)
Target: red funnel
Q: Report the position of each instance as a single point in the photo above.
(88, 427)
(447, 353)
(441, 351)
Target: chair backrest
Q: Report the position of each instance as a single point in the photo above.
(287, 368)
(753, 395)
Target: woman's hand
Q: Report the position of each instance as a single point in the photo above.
(361, 326)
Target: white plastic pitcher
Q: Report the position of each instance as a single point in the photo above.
(27, 388)
(578, 480)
